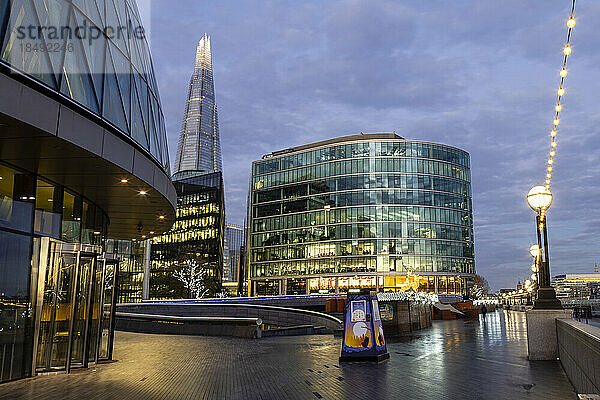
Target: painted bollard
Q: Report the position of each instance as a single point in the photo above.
(363, 331)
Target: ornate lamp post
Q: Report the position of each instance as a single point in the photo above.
(539, 199)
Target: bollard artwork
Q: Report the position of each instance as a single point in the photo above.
(363, 331)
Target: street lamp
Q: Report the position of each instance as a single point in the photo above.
(539, 199)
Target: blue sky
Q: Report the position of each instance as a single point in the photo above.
(479, 75)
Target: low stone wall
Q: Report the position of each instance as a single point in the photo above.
(579, 352)
(207, 326)
(270, 315)
(407, 317)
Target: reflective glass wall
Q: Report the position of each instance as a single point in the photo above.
(192, 250)
(374, 207)
(32, 208)
(94, 53)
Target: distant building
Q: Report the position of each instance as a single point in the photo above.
(369, 211)
(197, 235)
(234, 239)
(577, 286)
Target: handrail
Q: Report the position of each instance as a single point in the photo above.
(261, 306)
(257, 321)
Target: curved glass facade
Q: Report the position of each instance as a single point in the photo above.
(94, 53)
(361, 211)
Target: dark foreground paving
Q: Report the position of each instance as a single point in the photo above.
(453, 360)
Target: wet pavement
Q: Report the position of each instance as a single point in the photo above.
(452, 360)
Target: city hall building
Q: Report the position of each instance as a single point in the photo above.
(83, 164)
(369, 211)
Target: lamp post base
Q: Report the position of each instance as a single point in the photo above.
(546, 300)
(542, 343)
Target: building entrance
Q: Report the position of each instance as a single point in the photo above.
(75, 305)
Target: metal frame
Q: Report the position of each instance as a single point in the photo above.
(50, 249)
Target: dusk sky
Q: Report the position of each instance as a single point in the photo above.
(478, 75)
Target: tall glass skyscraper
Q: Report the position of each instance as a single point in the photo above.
(369, 211)
(199, 147)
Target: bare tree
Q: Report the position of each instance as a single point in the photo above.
(191, 274)
(480, 287)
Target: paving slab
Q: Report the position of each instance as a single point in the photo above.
(456, 359)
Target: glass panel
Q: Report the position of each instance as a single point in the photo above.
(99, 232)
(138, 130)
(152, 134)
(90, 9)
(123, 70)
(46, 315)
(15, 331)
(94, 54)
(80, 317)
(16, 199)
(87, 231)
(112, 108)
(53, 14)
(15, 50)
(48, 209)
(95, 313)
(109, 277)
(64, 268)
(118, 36)
(76, 81)
(71, 220)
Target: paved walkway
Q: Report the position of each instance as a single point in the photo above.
(453, 360)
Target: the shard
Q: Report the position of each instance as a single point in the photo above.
(199, 147)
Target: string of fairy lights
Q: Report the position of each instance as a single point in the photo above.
(561, 91)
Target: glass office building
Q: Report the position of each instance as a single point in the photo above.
(366, 211)
(197, 235)
(83, 160)
(234, 239)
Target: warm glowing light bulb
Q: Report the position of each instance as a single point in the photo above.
(549, 169)
(563, 72)
(567, 50)
(571, 23)
(556, 121)
(558, 107)
(553, 144)
(550, 161)
(552, 153)
(553, 133)
(548, 175)
(561, 91)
